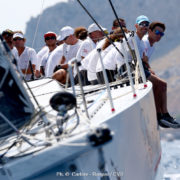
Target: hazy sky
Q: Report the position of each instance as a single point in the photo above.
(15, 13)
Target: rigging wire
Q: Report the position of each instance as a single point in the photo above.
(100, 27)
(125, 37)
(37, 26)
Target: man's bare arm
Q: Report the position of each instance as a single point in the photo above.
(28, 71)
(62, 61)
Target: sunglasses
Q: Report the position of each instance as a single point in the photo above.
(17, 39)
(144, 24)
(157, 32)
(50, 37)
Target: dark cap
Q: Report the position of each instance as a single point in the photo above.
(7, 31)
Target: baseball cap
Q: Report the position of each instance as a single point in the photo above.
(18, 35)
(49, 33)
(141, 18)
(93, 27)
(64, 32)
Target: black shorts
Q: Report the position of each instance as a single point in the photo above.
(146, 71)
(110, 76)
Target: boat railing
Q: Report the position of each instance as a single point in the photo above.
(71, 63)
(139, 67)
(106, 81)
(139, 60)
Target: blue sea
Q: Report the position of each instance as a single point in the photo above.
(171, 157)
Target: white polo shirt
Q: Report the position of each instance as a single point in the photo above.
(14, 51)
(113, 58)
(86, 47)
(148, 48)
(40, 54)
(70, 51)
(44, 61)
(139, 43)
(53, 60)
(29, 54)
(90, 62)
(103, 54)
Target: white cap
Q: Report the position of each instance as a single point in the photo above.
(64, 32)
(93, 27)
(18, 35)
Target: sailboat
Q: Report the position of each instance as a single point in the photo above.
(48, 131)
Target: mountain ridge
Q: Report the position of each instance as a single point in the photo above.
(71, 13)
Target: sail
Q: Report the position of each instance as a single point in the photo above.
(15, 104)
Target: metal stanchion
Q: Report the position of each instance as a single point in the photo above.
(106, 81)
(128, 70)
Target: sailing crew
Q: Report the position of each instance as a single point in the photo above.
(25, 56)
(69, 51)
(159, 85)
(94, 36)
(155, 33)
(111, 57)
(54, 58)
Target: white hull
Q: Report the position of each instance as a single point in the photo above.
(133, 154)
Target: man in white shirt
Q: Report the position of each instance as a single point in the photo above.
(50, 40)
(54, 60)
(69, 51)
(94, 35)
(25, 56)
(142, 26)
(155, 33)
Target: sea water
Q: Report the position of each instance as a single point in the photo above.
(171, 159)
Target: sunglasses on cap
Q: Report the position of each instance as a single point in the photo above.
(144, 24)
(157, 32)
(50, 37)
(7, 35)
(17, 39)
